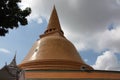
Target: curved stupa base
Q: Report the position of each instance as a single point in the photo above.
(54, 65)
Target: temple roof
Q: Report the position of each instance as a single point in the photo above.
(9, 72)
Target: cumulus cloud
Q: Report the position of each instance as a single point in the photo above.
(107, 61)
(82, 14)
(100, 41)
(3, 50)
(85, 22)
(110, 39)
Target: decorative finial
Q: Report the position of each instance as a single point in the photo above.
(13, 62)
(15, 55)
(5, 63)
(54, 6)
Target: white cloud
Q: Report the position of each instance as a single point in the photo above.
(95, 14)
(109, 39)
(39, 21)
(83, 21)
(118, 2)
(107, 61)
(86, 60)
(3, 50)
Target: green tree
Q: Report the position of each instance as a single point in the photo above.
(11, 15)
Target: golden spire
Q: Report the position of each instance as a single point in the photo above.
(54, 24)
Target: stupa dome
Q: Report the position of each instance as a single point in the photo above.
(53, 51)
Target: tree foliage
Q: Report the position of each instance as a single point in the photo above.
(11, 15)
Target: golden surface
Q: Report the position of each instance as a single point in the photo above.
(53, 47)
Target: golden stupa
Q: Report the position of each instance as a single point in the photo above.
(53, 51)
(53, 57)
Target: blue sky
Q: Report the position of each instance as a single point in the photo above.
(91, 25)
(19, 41)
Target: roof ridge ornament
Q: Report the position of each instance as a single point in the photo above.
(13, 62)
